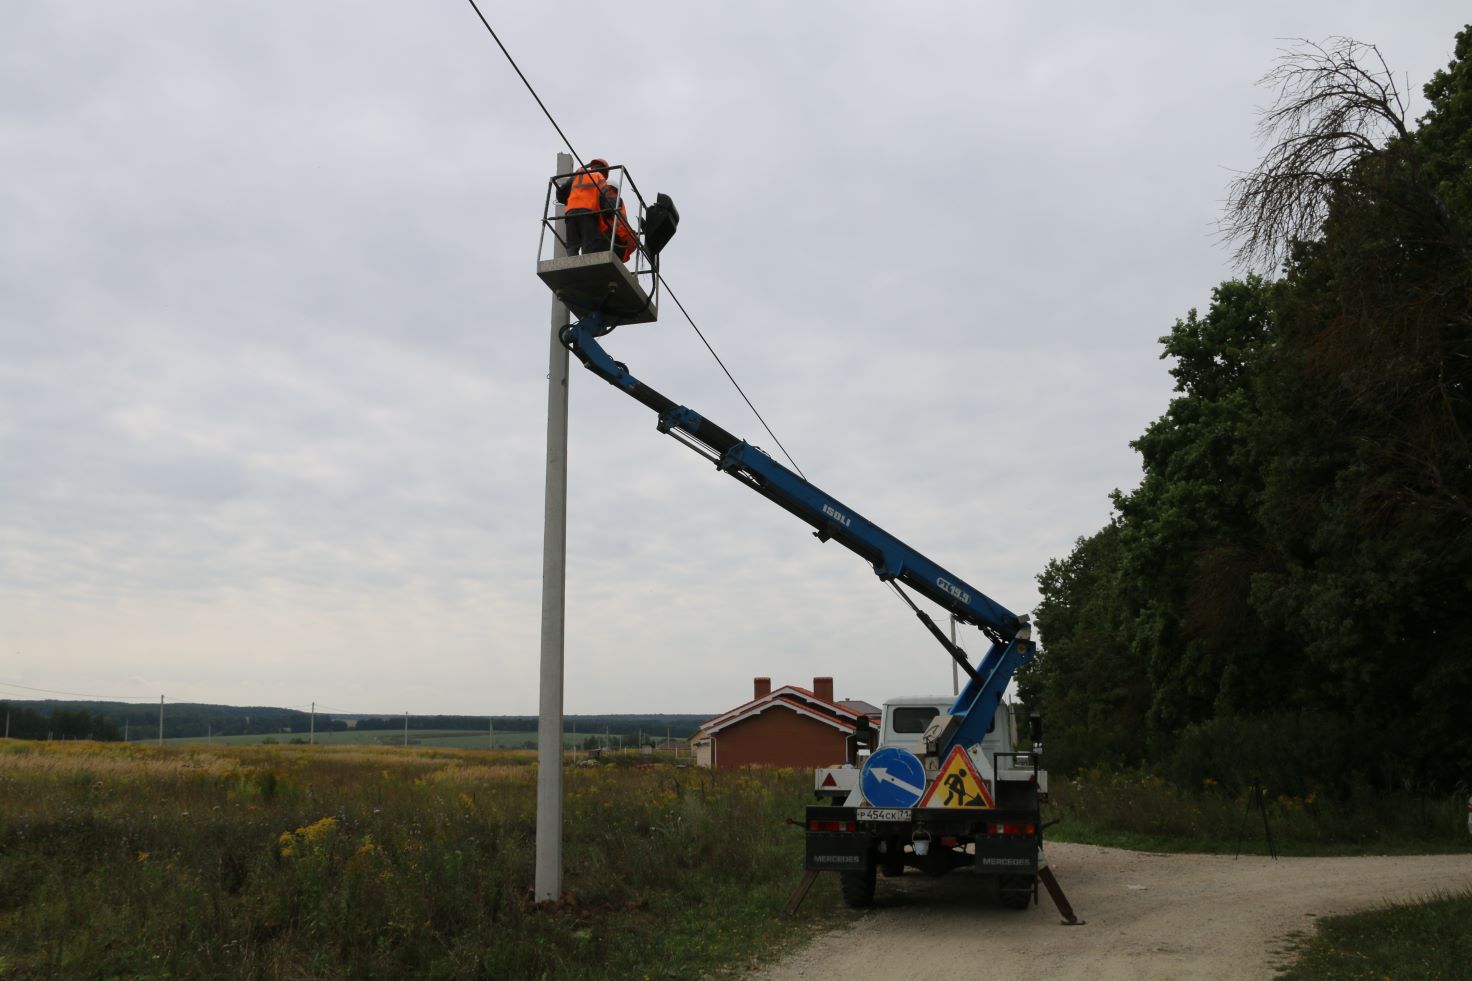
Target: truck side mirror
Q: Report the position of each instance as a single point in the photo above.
(1035, 727)
(863, 734)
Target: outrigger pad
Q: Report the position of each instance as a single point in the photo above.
(598, 281)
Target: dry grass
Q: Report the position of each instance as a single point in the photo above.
(296, 861)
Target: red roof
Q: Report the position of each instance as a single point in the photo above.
(791, 697)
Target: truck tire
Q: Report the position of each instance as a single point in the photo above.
(1015, 891)
(857, 887)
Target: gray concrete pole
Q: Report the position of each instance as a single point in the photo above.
(160, 720)
(548, 886)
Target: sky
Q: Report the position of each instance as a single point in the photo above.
(273, 354)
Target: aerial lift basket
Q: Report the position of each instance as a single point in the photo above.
(625, 291)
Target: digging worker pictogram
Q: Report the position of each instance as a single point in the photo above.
(956, 791)
(956, 788)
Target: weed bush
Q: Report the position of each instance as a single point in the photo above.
(1137, 809)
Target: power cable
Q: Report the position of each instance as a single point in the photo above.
(496, 37)
(79, 694)
(691, 321)
(664, 283)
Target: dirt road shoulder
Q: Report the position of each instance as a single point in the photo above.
(1148, 916)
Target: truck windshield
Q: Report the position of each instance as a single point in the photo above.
(913, 718)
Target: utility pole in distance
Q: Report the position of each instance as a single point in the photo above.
(312, 737)
(406, 730)
(548, 887)
(160, 721)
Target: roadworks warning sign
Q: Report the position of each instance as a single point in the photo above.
(957, 784)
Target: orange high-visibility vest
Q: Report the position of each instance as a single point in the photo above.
(586, 185)
(624, 241)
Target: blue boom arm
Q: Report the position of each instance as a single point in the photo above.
(832, 520)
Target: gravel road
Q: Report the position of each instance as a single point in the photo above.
(1147, 916)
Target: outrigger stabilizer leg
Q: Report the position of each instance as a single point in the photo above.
(1055, 892)
(800, 893)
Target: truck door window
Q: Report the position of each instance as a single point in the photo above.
(913, 718)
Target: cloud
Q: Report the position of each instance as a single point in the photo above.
(273, 357)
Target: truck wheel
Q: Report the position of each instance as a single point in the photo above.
(857, 888)
(1015, 891)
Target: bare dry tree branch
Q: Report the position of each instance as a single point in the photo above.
(1337, 103)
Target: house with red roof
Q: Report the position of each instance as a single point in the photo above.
(787, 726)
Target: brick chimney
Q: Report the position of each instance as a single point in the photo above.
(823, 688)
(762, 686)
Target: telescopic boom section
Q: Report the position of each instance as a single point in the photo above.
(831, 519)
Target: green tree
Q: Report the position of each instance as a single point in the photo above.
(1301, 539)
(1146, 624)
(1368, 468)
(1087, 679)
(1189, 538)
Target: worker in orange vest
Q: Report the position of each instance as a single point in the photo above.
(613, 221)
(583, 195)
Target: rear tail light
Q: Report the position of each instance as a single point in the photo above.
(833, 826)
(1014, 829)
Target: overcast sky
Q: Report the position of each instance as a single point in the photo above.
(273, 353)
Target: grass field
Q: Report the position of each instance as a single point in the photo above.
(361, 861)
(1428, 941)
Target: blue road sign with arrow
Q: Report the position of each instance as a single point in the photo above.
(893, 777)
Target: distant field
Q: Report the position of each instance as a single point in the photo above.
(424, 738)
(447, 738)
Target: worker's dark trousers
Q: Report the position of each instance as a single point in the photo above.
(582, 232)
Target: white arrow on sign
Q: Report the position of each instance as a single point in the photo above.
(883, 774)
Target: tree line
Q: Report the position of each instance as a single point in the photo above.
(56, 719)
(21, 722)
(1287, 595)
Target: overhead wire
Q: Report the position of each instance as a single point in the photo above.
(497, 38)
(691, 321)
(80, 694)
(664, 283)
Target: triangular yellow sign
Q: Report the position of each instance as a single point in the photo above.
(957, 784)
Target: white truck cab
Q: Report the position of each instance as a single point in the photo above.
(904, 725)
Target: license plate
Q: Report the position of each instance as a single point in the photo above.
(884, 814)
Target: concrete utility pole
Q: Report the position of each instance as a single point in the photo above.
(406, 729)
(312, 737)
(160, 720)
(492, 721)
(548, 886)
